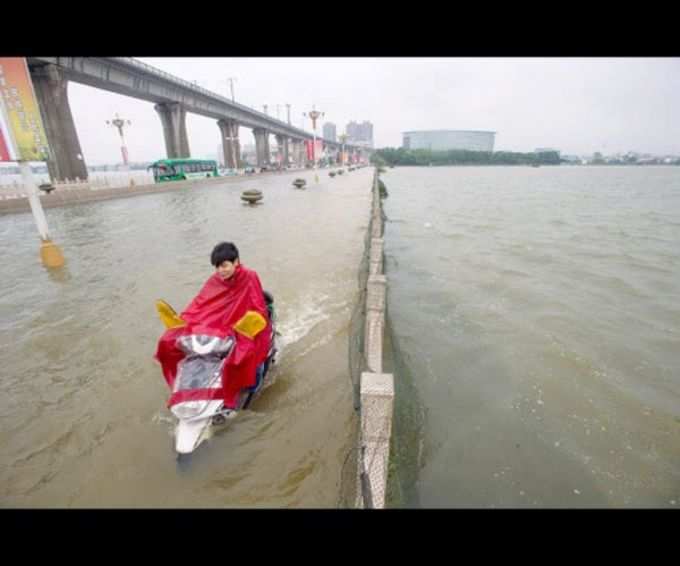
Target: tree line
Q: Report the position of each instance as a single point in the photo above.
(402, 156)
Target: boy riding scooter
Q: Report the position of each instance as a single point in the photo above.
(225, 331)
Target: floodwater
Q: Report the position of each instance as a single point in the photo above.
(535, 320)
(83, 421)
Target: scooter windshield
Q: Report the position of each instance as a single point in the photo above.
(196, 372)
(202, 367)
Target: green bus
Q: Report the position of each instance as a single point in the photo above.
(183, 168)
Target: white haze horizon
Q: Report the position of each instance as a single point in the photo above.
(578, 106)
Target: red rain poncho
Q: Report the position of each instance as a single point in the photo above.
(215, 310)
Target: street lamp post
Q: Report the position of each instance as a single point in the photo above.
(119, 123)
(314, 114)
(231, 85)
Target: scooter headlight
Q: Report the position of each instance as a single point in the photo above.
(189, 409)
(203, 344)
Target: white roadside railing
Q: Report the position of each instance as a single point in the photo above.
(376, 387)
(96, 181)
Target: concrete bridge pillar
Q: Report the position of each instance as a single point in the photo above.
(173, 117)
(66, 159)
(267, 149)
(286, 152)
(297, 152)
(231, 147)
(261, 146)
(306, 160)
(237, 143)
(302, 153)
(280, 140)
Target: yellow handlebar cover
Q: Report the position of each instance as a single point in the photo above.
(168, 315)
(251, 324)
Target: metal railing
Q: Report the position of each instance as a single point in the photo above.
(96, 181)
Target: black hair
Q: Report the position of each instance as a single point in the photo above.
(224, 251)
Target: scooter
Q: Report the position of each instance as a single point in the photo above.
(201, 368)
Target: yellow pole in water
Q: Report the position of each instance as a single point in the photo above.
(50, 253)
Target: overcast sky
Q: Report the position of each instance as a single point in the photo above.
(575, 105)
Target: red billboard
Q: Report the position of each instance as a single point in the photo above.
(309, 144)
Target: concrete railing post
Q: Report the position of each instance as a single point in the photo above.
(376, 213)
(375, 321)
(377, 405)
(376, 256)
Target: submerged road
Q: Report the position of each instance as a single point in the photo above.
(83, 421)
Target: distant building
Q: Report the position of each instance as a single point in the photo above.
(442, 140)
(360, 134)
(329, 131)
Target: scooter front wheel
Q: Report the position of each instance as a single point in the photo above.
(183, 462)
